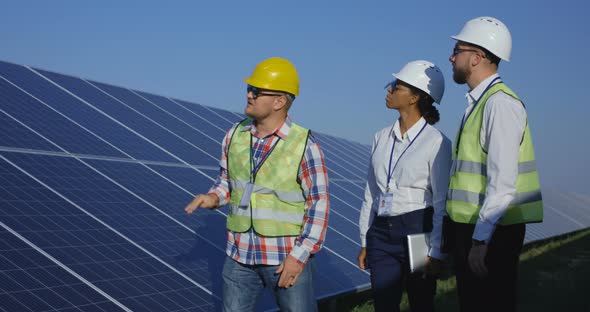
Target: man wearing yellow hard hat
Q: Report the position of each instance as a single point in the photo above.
(274, 178)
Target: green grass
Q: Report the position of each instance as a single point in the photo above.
(554, 275)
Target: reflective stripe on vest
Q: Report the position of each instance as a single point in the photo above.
(282, 195)
(277, 204)
(469, 180)
(481, 169)
(478, 199)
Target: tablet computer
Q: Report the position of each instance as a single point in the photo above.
(418, 245)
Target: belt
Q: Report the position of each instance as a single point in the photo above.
(401, 214)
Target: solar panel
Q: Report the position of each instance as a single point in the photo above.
(93, 182)
(563, 213)
(25, 111)
(63, 104)
(151, 130)
(199, 134)
(100, 247)
(35, 281)
(122, 164)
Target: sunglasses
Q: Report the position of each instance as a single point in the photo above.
(390, 85)
(257, 92)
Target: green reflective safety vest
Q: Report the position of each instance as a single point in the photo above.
(277, 204)
(469, 180)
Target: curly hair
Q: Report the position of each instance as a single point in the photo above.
(425, 104)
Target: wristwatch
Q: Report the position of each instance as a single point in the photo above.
(478, 242)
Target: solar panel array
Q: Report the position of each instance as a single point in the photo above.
(94, 179)
(93, 182)
(563, 213)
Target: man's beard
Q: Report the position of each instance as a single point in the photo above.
(460, 76)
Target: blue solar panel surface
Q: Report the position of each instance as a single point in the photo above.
(32, 281)
(118, 252)
(93, 181)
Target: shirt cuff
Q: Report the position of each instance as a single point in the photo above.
(483, 231)
(435, 252)
(220, 196)
(363, 241)
(300, 254)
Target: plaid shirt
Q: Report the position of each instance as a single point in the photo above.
(252, 248)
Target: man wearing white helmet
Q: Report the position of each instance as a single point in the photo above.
(494, 188)
(406, 191)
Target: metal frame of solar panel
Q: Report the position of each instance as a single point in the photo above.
(93, 179)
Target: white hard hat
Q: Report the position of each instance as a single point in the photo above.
(487, 32)
(425, 76)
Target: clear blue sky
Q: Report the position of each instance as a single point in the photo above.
(345, 52)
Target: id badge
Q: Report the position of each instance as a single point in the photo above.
(245, 201)
(385, 204)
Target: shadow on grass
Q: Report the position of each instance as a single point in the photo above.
(553, 276)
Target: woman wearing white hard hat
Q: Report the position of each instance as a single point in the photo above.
(405, 191)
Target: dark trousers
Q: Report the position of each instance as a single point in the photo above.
(388, 261)
(497, 291)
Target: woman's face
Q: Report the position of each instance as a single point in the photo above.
(398, 96)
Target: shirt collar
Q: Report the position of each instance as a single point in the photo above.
(477, 92)
(282, 131)
(411, 133)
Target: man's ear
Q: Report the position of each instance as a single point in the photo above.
(280, 102)
(476, 59)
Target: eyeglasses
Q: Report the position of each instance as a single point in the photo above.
(457, 51)
(257, 92)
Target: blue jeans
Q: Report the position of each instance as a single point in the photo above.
(243, 284)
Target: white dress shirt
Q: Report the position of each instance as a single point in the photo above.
(420, 180)
(504, 122)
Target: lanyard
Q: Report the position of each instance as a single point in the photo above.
(464, 120)
(254, 167)
(389, 170)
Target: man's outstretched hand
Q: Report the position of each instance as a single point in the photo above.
(202, 201)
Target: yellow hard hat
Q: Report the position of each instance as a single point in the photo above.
(276, 74)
